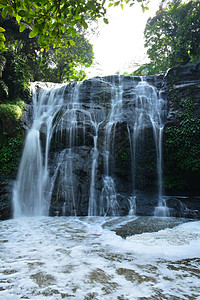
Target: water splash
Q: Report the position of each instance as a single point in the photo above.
(132, 205)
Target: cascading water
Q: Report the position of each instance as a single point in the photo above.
(108, 198)
(31, 197)
(150, 110)
(70, 163)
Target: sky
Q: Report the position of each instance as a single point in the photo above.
(119, 46)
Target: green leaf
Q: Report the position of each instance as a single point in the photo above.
(122, 5)
(22, 27)
(110, 4)
(2, 29)
(33, 33)
(116, 3)
(105, 20)
(22, 13)
(71, 42)
(2, 37)
(144, 8)
(85, 25)
(73, 32)
(4, 12)
(18, 18)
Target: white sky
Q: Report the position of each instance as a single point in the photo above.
(119, 47)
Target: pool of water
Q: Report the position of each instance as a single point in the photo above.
(83, 258)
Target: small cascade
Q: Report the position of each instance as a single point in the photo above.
(65, 182)
(132, 205)
(150, 111)
(108, 198)
(92, 208)
(162, 210)
(108, 194)
(114, 117)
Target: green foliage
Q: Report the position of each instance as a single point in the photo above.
(183, 147)
(10, 154)
(11, 135)
(172, 37)
(64, 64)
(10, 114)
(16, 75)
(54, 20)
(25, 62)
(12, 110)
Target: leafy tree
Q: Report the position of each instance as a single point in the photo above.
(23, 61)
(52, 20)
(64, 64)
(173, 36)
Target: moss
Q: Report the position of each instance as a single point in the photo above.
(10, 154)
(11, 135)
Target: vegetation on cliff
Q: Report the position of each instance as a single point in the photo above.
(182, 134)
(11, 135)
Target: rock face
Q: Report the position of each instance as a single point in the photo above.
(181, 82)
(6, 187)
(181, 145)
(100, 145)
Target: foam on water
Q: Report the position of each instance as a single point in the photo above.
(76, 258)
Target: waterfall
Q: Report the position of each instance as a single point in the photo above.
(70, 163)
(30, 195)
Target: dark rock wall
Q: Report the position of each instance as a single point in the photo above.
(6, 187)
(182, 161)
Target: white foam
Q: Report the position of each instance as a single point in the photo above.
(75, 258)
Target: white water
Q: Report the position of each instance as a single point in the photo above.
(75, 258)
(92, 207)
(108, 197)
(149, 109)
(30, 195)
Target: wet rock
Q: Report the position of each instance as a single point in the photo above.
(6, 187)
(145, 224)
